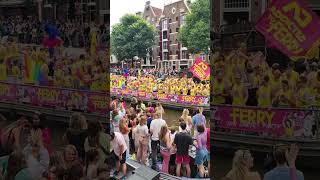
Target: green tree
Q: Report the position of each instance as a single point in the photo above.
(195, 33)
(132, 37)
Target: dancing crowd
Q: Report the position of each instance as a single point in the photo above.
(141, 133)
(74, 34)
(246, 79)
(27, 151)
(70, 71)
(173, 85)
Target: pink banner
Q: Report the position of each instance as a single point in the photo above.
(291, 27)
(200, 100)
(200, 69)
(168, 98)
(98, 103)
(47, 96)
(57, 98)
(278, 122)
(8, 92)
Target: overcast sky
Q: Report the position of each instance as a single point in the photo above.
(118, 8)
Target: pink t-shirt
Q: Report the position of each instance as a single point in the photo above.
(117, 142)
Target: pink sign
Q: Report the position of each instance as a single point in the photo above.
(278, 122)
(98, 103)
(8, 92)
(200, 69)
(290, 26)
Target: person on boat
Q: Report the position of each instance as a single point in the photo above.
(202, 151)
(155, 128)
(142, 134)
(285, 169)
(77, 133)
(183, 142)
(119, 152)
(37, 156)
(198, 119)
(241, 165)
(16, 167)
(185, 116)
(165, 147)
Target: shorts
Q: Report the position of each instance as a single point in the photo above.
(182, 159)
(124, 157)
(201, 156)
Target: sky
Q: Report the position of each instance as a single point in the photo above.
(118, 8)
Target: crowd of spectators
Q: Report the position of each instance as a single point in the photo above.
(27, 151)
(142, 133)
(69, 71)
(29, 30)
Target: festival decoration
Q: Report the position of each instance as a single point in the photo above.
(291, 27)
(200, 69)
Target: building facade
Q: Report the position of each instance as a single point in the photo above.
(173, 55)
(168, 52)
(152, 15)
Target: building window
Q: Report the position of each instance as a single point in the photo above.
(177, 29)
(184, 55)
(165, 24)
(165, 45)
(170, 20)
(165, 35)
(165, 56)
(170, 30)
(182, 20)
(236, 3)
(177, 52)
(177, 18)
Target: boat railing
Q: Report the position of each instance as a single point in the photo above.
(94, 102)
(288, 124)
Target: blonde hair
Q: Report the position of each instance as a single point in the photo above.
(143, 120)
(163, 131)
(70, 148)
(185, 113)
(36, 137)
(239, 165)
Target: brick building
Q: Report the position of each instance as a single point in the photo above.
(173, 55)
(152, 15)
(168, 52)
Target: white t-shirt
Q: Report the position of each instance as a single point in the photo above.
(155, 128)
(117, 142)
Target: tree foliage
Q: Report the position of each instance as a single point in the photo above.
(131, 37)
(195, 33)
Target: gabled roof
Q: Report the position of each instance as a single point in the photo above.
(157, 11)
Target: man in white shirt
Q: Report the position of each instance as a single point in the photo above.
(119, 152)
(155, 128)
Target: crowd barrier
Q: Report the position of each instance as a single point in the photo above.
(163, 98)
(272, 122)
(54, 97)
